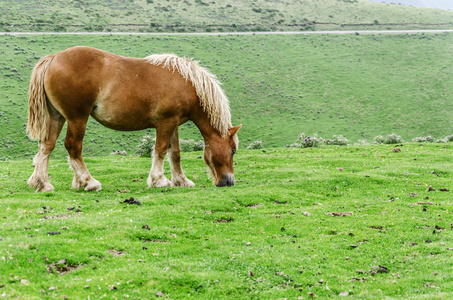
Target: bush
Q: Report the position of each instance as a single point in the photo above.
(256, 145)
(337, 140)
(146, 146)
(147, 143)
(118, 152)
(293, 145)
(309, 142)
(190, 145)
(424, 139)
(379, 139)
(391, 139)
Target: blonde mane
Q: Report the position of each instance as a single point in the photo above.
(211, 95)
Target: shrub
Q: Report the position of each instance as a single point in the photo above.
(390, 139)
(293, 145)
(361, 142)
(308, 142)
(379, 139)
(393, 139)
(190, 145)
(424, 139)
(146, 146)
(118, 152)
(337, 140)
(256, 145)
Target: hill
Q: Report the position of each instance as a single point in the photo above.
(441, 4)
(279, 86)
(205, 15)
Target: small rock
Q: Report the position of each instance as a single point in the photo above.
(160, 294)
(311, 294)
(131, 200)
(86, 287)
(146, 227)
(52, 288)
(251, 274)
(306, 213)
(344, 294)
(53, 232)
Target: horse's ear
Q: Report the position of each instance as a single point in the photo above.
(234, 130)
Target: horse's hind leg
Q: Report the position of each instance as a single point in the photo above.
(39, 179)
(74, 143)
(174, 157)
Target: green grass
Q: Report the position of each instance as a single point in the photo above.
(208, 242)
(278, 86)
(212, 16)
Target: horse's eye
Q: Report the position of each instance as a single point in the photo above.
(233, 151)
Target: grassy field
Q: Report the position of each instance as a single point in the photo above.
(277, 234)
(202, 16)
(279, 86)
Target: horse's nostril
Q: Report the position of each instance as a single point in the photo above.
(227, 180)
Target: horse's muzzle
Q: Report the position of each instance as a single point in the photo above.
(227, 180)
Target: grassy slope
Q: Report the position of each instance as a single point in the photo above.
(279, 86)
(229, 15)
(197, 242)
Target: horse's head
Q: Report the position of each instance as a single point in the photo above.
(218, 155)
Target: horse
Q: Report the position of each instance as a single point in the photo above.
(161, 91)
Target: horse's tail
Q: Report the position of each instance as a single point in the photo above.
(38, 114)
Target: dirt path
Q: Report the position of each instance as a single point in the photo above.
(236, 33)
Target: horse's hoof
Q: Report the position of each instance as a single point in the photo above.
(94, 185)
(32, 182)
(47, 187)
(161, 182)
(184, 183)
(39, 185)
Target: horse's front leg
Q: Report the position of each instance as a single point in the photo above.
(74, 143)
(156, 176)
(174, 157)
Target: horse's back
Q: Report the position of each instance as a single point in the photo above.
(115, 89)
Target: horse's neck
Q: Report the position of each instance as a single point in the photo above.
(206, 129)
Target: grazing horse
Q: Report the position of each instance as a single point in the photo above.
(124, 93)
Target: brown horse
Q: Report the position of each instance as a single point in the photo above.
(123, 93)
